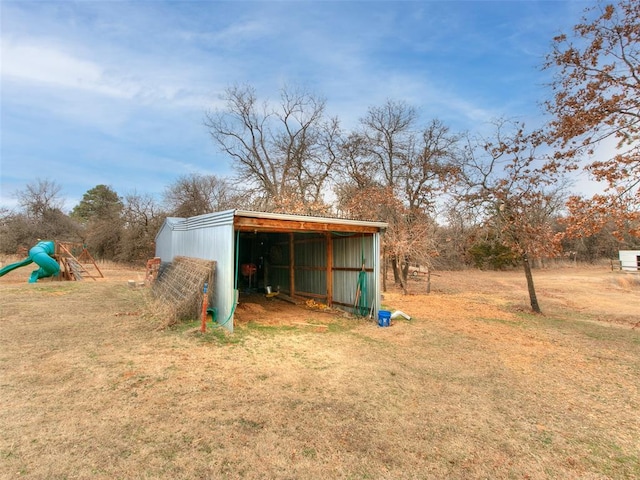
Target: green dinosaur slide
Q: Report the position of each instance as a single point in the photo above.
(41, 255)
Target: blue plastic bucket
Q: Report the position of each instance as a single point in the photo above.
(384, 316)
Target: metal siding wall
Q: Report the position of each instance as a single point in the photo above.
(163, 244)
(279, 271)
(209, 237)
(216, 243)
(309, 281)
(279, 280)
(165, 239)
(311, 253)
(223, 249)
(347, 253)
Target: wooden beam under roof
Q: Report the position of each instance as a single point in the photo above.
(287, 225)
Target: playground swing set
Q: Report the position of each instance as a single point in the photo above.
(61, 260)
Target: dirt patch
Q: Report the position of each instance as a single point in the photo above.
(262, 310)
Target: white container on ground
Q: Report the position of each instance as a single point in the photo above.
(398, 313)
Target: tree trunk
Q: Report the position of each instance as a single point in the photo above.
(428, 281)
(404, 277)
(394, 267)
(397, 275)
(405, 270)
(403, 285)
(532, 290)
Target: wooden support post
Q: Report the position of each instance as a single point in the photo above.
(329, 241)
(292, 266)
(205, 305)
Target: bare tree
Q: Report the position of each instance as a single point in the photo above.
(395, 170)
(142, 218)
(388, 134)
(195, 194)
(430, 166)
(39, 197)
(460, 224)
(414, 164)
(283, 155)
(42, 217)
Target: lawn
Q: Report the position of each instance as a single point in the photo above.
(473, 386)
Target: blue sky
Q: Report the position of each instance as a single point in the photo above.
(109, 92)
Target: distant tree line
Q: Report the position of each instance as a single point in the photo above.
(451, 199)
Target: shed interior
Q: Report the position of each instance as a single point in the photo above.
(303, 259)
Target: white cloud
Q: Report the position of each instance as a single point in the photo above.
(242, 31)
(34, 61)
(43, 64)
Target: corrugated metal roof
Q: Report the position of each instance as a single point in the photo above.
(168, 223)
(199, 221)
(209, 220)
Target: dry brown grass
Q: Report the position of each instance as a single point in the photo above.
(471, 387)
